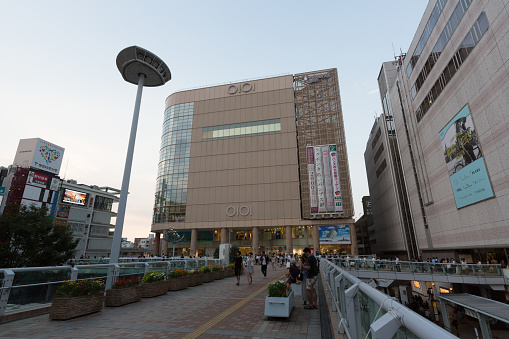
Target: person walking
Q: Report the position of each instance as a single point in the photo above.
(264, 259)
(249, 268)
(311, 280)
(238, 266)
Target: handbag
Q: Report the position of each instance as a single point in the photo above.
(300, 277)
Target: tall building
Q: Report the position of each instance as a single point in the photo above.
(260, 164)
(447, 171)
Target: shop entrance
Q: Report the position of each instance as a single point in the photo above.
(245, 250)
(337, 249)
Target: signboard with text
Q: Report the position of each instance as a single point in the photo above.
(334, 234)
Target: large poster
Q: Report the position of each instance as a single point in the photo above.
(311, 178)
(320, 187)
(338, 199)
(328, 179)
(334, 234)
(465, 164)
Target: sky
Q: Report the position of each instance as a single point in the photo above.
(59, 79)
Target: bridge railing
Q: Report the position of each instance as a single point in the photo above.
(363, 310)
(30, 287)
(419, 267)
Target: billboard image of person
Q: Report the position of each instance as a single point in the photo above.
(465, 163)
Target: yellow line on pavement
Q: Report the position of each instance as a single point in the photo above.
(211, 323)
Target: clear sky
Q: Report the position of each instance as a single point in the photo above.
(59, 80)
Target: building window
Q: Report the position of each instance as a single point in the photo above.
(437, 10)
(377, 136)
(381, 168)
(242, 130)
(474, 35)
(379, 152)
(173, 171)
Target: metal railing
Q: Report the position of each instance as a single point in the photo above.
(30, 287)
(419, 267)
(363, 310)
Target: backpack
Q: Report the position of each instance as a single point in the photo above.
(317, 266)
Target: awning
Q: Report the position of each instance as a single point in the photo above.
(488, 307)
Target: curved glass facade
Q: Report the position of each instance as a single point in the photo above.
(172, 175)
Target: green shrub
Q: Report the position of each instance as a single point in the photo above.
(205, 269)
(279, 289)
(152, 277)
(79, 287)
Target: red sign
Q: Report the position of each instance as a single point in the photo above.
(37, 179)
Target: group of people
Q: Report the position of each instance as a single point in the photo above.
(302, 268)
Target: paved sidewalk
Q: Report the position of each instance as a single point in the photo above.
(219, 309)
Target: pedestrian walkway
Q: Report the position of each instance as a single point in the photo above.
(219, 309)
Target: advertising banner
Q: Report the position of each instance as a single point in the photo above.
(2, 190)
(338, 200)
(47, 156)
(37, 179)
(55, 182)
(334, 234)
(320, 187)
(74, 197)
(465, 164)
(311, 177)
(328, 179)
(63, 211)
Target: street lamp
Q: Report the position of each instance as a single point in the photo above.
(141, 67)
(171, 235)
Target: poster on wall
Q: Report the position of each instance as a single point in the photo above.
(320, 187)
(334, 234)
(338, 199)
(465, 164)
(311, 178)
(328, 179)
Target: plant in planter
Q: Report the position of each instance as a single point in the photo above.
(177, 280)
(76, 298)
(207, 274)
(124, 291)
(217, 272)
(195, 278)
(153, 284)
(230, 269)
(280, 300)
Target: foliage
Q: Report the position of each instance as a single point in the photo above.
(79, 287)
(217, 268)
(279, 289)
(233, 252)
(28, 238)
(231, 266)
(205, 269)
(124, 283)
(177, 273)
(216, 253)
(152, 277)
(196, 271)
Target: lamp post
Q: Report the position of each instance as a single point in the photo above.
(143, 68)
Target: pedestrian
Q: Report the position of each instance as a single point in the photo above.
(292, 274)
(238, 266)
(311, 265)
(273, 264)
(264, 259)
(303, 259)
(249, 268)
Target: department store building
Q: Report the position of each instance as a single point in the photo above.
(260, 164)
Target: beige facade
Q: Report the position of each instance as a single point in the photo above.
(242, 171)
(470, 71)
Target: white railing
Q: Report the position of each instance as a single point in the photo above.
(28, 287)
(363, 310)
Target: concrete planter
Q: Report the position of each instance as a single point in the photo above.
(177, 284)
(208, 277)
(279, 307)
(154, 289)
(123, 296)
(195, 279)
(67, 308)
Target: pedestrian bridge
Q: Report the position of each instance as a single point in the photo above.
(388, 271)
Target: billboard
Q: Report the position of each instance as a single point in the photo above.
(324, 180)
(465, 164)
(63, 211)
(334, 234)
(39, 154)
(74, 197)
(37, 179)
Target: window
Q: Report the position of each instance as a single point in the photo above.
(242, 129)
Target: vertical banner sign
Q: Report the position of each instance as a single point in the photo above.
(338, 201)
(465, 164)
(320, 187)
(88, 226)
(328, 179)
(311, 177)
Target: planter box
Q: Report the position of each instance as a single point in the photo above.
(177, 284)
(154, 289)
(279, 307)
(123, 296)
(218, 275)
(67, 308)
(208, 277)
(195, 279)
(230, 273)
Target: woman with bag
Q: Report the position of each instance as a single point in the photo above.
(304, 272)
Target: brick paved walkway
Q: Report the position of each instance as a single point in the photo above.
(219, 309)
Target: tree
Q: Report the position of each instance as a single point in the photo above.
(28, 238)
(233, 252)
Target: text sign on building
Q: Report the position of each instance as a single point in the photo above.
(37, 179)
(241, 88)
(324, 181)
(39, 154)
(334, 234)
(467, 171)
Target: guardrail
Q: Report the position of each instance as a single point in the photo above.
(29, 287)
(362, 309)
(484, 270)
